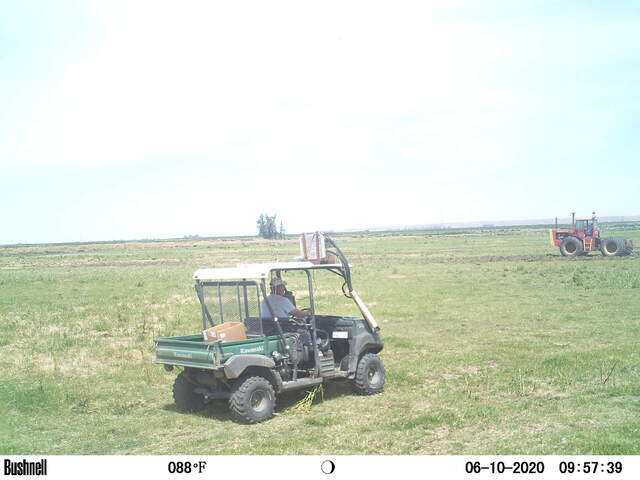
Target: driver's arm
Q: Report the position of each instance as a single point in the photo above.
(299, 313)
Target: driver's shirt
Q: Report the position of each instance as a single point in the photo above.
(280, 305)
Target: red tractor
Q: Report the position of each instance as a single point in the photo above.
(584, 237)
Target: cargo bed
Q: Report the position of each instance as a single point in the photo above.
(192, 351)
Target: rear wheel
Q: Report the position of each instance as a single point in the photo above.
(628, 248)
(187, 400)
(614, 247)
(571, 247)
(370, 375)
(252, 400)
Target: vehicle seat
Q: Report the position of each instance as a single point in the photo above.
(290, 296)
(253, 326)
(260, 327)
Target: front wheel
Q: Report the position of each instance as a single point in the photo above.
(571, 247)
(252, 400)
(370, 375)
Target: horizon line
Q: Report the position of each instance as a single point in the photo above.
(377, 229)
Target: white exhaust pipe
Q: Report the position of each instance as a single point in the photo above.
(365, 311)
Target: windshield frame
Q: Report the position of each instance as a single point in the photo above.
(207, 319)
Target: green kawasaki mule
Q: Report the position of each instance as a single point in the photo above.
(278, 352)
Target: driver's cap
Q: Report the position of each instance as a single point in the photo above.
(276, 282)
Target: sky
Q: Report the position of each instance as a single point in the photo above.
(154, 119)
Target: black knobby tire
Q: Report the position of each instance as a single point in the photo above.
(187, 400)
(370, 375)
(626, 249)
(571, 247)
(614, 247)
(252, 400)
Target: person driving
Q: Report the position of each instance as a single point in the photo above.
(280, 305)
(589, 231)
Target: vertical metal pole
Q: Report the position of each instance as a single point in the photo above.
(239, 305)
(311, 299)
(303, 240)
(205, 314)
(220, 303)
(246, 300)
(275, 319)
(266, 302)
(316, 355)
(259, 310)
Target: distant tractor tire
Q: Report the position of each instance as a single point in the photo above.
(252, 400)
(614, 247)
(187, 400)
(571, 247)
(370, 375)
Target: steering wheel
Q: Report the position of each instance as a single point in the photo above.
(301, 321)
(306, 318)
(322, 336)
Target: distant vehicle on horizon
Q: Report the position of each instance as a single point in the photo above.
(585, 236)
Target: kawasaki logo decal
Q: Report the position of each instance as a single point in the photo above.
(252, 350)
(182, 355)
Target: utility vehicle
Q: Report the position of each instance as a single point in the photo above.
(279, 354)
(585, 236)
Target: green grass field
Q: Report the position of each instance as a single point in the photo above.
(494, 344)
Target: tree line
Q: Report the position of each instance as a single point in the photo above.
(267, 227)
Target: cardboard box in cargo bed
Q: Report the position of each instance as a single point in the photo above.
(225, 332)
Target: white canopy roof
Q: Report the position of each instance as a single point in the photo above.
(253, 271)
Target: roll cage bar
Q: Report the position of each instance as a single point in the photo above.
(256, 275)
